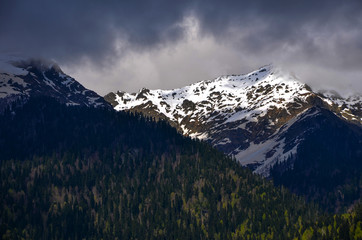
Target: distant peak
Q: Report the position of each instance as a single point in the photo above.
(34, 77)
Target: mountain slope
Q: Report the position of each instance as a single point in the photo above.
(76, 172)
(328, 164)
(100, 174)
(21, 79)
(242, 115)
(270, 122)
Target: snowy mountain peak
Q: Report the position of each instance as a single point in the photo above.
(25, 78)
(258, 90)
(236, 113)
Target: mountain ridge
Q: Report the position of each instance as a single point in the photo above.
(239, 113)
(21, 79)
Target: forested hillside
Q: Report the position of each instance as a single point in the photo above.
(77, 172)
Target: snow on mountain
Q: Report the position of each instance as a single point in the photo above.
(245, 116)
(21, 79)
(349, 108)
(226, 99)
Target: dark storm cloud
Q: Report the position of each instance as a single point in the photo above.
(270, 24)
(324, 34)
(72, 29)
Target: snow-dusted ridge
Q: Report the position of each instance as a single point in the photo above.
(223, 95)
(23, 78)
(349, 107)
(243, 115)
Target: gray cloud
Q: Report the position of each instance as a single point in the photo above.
(107, 44)
(69, 30)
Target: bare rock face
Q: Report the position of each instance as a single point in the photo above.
(246, 116)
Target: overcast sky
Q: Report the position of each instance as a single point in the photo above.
(126, 45)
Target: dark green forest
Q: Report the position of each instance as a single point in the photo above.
(84, 173)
